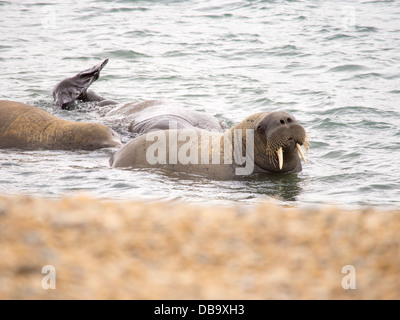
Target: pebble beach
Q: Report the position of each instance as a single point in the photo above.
(135, 250)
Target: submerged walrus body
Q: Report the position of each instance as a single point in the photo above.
(29, 128)
(264, 142)
(140, 117)
(155, 115)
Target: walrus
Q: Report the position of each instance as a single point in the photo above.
(153, 115)
(139, 117)
(264, 142)
(77, 88)
(29, 128)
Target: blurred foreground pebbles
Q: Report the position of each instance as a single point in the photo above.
(132, 250)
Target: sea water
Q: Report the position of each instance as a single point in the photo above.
(333, 65)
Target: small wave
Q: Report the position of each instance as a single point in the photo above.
(348, 67)
(358, 111)
(140, 9)
(341, 36)
(365, 76)
(123, 185)
(391, 76)
(319, 145)
(286, 50)
(329, 123)
(224, 7)
(82, 58)
(336, 154)
(346, 109)
(366, 29)
(373, 124)
(218, 16)
(261, 102)
(126, 54)
(142, 33)
(375, 187)
(378, 1)
(176, 54)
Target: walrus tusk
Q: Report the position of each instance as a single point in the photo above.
(301, 152)
(280, 157)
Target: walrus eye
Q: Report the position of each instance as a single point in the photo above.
(260, 129)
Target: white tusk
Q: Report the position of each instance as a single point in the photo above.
(301, 152)
(280, 157)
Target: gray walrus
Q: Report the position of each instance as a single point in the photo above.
(77, 88)
(264, 142)
(140, 118)
(144, 117)
(26, 127)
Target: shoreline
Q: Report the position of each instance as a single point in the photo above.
(113, 249)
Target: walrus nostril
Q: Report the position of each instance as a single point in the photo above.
(289, 120)
(283, 122)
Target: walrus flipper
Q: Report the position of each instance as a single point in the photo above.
(70, 89)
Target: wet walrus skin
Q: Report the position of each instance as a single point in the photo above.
(277, 138)
(148, 116)
(77, 88)
(29, 128)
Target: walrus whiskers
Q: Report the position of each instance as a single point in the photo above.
(272, 157)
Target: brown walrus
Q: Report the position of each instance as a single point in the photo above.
(264, 142)
(26, 127)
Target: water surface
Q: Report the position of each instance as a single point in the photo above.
(333, 65)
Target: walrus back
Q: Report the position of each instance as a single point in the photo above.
(29, 128)
(22, 126)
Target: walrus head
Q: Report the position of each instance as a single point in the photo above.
(280, 138)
